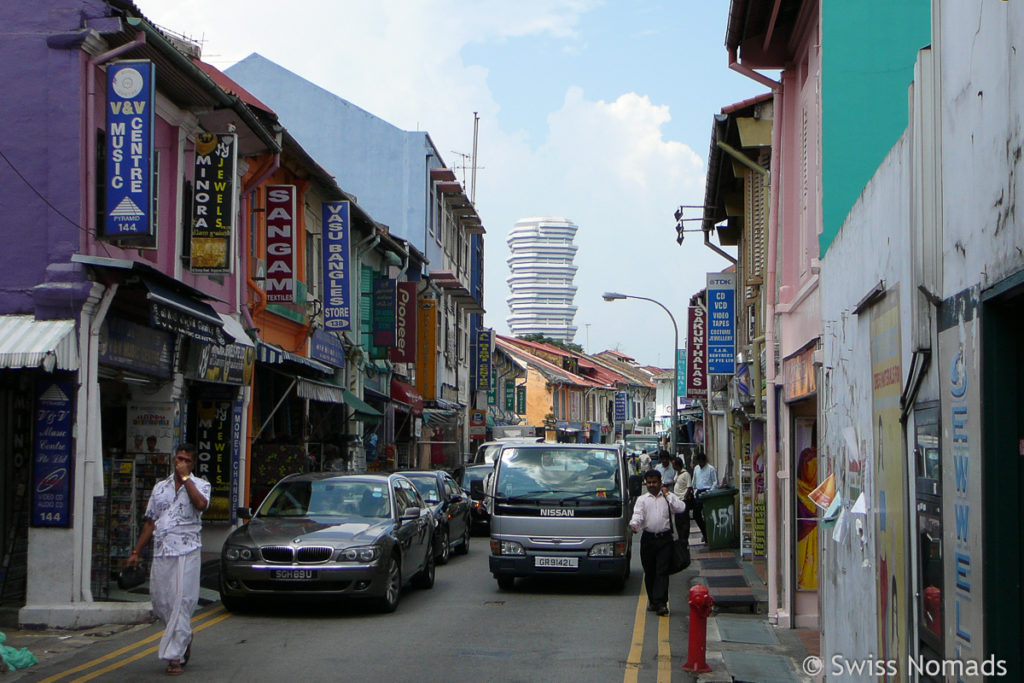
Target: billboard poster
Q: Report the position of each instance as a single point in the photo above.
(482, 365)
(213, 212)
(384, 311)
(721, 330)
(128, 206)
(280, 276)
(426, 349)
(336, 285)
(213, 453)
(404, 348)
(696, 369)
(150, 428)
(51, 462)
(890, 476)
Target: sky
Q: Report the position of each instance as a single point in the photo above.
(596, 111)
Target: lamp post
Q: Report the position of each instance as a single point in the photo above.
(612, 296)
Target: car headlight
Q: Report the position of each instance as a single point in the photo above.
(616, 549)
(369, 553)
(237, 552)
(506, 548)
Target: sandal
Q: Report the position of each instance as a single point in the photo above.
(188, 653)
(174, 669)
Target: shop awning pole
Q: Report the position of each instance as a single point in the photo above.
(274, 411)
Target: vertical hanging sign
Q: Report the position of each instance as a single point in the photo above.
(51, 466)
(510, 395)
(384, 311)
(721, 339)
(426, 354)
(337, 297)
(280, 278)
(680, 375)
(128, 209)
(521, 399)
(482, 366)
(213, 212)
(696, 368)
(404, 348)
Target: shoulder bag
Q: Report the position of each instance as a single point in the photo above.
(680, 546)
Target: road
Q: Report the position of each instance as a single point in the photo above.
(464, 628)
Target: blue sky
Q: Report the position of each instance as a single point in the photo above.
(596, 111)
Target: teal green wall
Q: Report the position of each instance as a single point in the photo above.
(867, 62)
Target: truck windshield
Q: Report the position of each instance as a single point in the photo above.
(557, 475)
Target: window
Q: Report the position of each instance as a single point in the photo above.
(366, 277)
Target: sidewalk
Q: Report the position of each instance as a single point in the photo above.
(742, 645)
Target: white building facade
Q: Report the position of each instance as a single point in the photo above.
(541, 290)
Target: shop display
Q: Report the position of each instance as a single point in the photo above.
(131, 483)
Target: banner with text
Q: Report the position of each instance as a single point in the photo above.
(482, 366)
(128, 208)
(336, 234)
(384, 294)
(721, 341)
(426, 349)
(213, 211)
(280, 277)
(696, 368)
(404, 348)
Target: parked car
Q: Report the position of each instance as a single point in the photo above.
(479, 517)
(450, 507)
(331, 534)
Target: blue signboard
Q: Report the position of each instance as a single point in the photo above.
(620, 406)
(721, 342)
(680, 374)
(128, 210)
(327, 348)
(51, 465)
(337, 301)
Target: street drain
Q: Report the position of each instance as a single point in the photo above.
(498, 603)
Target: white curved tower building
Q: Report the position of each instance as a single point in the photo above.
(541, 267)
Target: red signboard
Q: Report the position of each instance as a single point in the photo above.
(404, 348)
(696, 354)
(280, 275)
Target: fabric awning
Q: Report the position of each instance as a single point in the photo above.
(272, 354)
(406, 393)
(29, 343)
(176, 312)
(362, 408)
(235, 330)
(319, 391)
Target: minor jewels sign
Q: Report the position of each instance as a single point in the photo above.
(213, 203)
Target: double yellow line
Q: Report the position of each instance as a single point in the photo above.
(207, 618)
(636, 649)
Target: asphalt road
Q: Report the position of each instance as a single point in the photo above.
(464, 628)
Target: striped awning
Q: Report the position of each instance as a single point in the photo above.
(272, 354)
(29, 343)
(319, 391)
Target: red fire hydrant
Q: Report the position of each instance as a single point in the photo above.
(700, 607)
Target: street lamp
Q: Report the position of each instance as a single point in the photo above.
(612, 296)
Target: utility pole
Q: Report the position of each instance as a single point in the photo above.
(476, 134)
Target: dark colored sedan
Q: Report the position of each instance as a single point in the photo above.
(450, 506)
(331, 534)
(481, 520)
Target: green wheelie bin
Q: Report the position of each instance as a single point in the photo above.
(721, 518)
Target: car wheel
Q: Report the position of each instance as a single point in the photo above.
(389, 601)
(444, 550)
(464, 546)
(506, 583)
(425, 578)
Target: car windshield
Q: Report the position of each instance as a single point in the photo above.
(427, 486)
(327, 498)
(488, 453)
(559, 474)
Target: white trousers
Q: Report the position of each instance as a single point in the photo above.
(174, 588)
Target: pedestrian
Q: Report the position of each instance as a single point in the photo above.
(668, 473)
(705, 478)
(173, 521)
(684, 492)
(651, 516)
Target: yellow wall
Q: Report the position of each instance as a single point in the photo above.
(538, 398)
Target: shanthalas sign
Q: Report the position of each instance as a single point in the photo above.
(280, 277)
(336, 236)
(128, 209)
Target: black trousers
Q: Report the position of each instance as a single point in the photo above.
(656, 557)
(698, 516)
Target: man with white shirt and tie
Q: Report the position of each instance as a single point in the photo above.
(651, 516)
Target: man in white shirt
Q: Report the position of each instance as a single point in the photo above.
(668, 473)
(651, 514)
(705, 478)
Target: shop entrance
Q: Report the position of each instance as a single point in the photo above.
(1002, 497)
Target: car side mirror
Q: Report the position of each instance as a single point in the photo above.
(476, 489)
(456, 499)
(412, 512)
(244, 513)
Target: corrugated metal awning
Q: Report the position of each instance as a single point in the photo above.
(29, 343)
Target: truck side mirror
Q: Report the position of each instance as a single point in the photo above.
(476, 489)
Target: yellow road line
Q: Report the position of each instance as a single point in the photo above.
(664, 652)
(128, 648)
(139, 655)
(637, 647)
